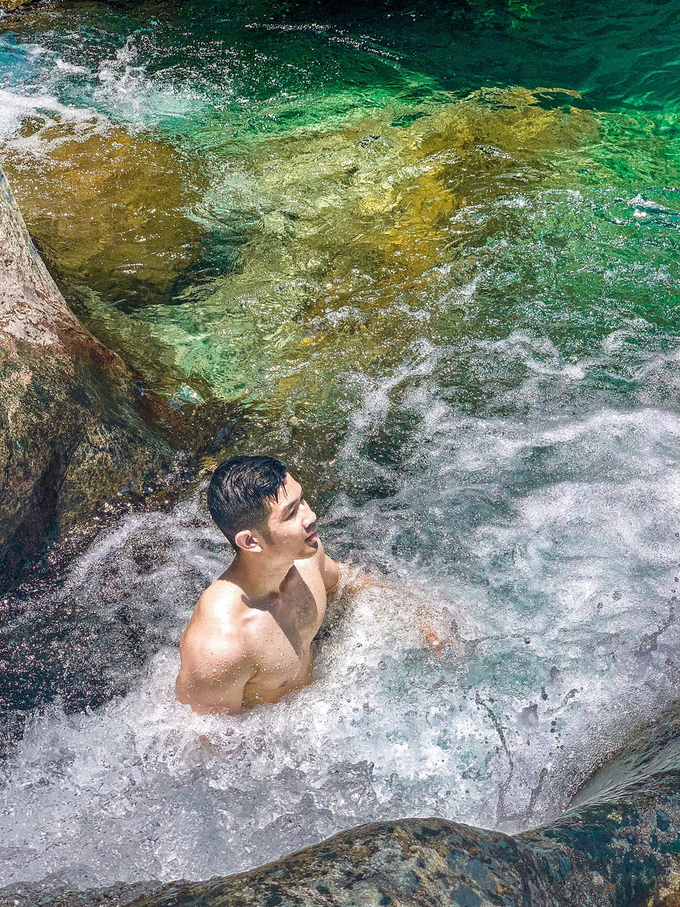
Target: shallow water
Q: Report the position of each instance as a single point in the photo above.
(433, 260)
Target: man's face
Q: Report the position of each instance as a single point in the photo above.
(292, 524)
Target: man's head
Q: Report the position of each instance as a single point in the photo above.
(259, 507)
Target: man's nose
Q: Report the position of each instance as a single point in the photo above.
(310, 517)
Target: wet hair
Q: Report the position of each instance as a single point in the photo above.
(241, 491)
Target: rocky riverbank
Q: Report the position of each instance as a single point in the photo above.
(71, 434)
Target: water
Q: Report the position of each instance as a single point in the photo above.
(431, 258)
(557, 586)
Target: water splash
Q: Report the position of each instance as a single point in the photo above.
(452, 301)
(544, 545)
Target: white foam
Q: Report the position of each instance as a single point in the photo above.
(126, 92)
(15, 107)
(545, 543)
(45, 111)
(118, 89)
(65, 66)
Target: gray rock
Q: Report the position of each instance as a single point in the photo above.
(619, 845)
(70, 433)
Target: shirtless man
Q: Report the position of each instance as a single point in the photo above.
(249, 638)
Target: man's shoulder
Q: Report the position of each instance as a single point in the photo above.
(217, 624)
(223, 598)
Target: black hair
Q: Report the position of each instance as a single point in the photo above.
(240, 493)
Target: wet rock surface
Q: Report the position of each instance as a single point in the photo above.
(614, 853)
(622, 850)
(70, 433)
(608, 854)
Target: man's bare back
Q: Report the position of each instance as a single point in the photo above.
(249, 638)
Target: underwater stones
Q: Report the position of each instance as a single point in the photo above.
(358, 230)
(383, 196)
(283, 256)
(69, 432)
(110, 214)
(106, 208)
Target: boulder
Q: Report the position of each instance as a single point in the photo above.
(111, 210)
(70, 432)
(618, 845)
(614, 853)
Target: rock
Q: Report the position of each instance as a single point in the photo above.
(70, 433)
(7, 6)
(607, 854)
(109, 213)
(619, 845)
(115, 218)
(101, 202)
(612, 854)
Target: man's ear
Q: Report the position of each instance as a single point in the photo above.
(247, 541)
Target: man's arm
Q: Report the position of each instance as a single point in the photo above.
(212, 680)
(330, 572)
(438, 634)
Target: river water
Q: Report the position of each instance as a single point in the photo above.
(428, 256)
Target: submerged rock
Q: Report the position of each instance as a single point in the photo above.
(274, 256)
(70, 434)
(109, 212)
(108, 209)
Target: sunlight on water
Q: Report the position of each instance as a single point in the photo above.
(433, 258)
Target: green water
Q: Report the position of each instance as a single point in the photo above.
(428, 255)
(251, 206)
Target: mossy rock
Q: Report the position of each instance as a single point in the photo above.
(70, 432)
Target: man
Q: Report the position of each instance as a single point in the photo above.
(249, 638)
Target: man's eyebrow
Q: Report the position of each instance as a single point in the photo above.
(290, 507)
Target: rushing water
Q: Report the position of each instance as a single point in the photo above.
(431, 257)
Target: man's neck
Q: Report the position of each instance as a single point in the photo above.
(257, 579)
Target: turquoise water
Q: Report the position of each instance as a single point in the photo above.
(311, 181)
(427, 255)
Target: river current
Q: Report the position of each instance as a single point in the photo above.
(428, 256)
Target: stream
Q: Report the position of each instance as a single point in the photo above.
(427, 255)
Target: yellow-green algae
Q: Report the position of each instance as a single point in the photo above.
(348, 230)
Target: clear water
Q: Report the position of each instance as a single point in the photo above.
(432, 259)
